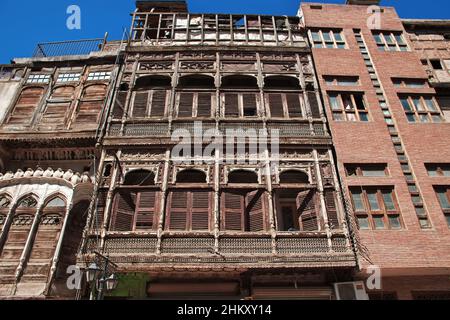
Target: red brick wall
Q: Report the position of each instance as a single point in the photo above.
(370, 142)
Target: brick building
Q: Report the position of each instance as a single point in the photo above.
(338, 161)
(389, 133)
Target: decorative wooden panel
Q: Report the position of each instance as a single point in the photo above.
(140, 104)
(119, 104)
(158, 103)
(125, 208)
(276, 105)
(26, 106)
(314, 104)
(204, 105)
(185, 106)
(189, 210)
(231, 105)
(92, 102)
(330, 201)
(232, 209)
(306, 204)
(256, 211)
(294, 105)
(146, 210)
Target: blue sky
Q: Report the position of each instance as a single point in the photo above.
(28, 22)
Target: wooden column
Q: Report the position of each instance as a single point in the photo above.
(55, 259)
(162, 210)
(323, 207)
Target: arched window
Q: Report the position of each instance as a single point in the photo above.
(191, 176)
(5, 201)
(150, 96)
(193, 104)
(243, 176)
(56, 202)
(139, 178)
(27, 202)
(197, 81)
(57, 107)
(282, 82)
(91, 104)
(26, 106)
(236, 104)
(294, 176)
(239, 81)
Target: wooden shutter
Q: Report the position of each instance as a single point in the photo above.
(204, 106)
(276, 105)
(146, 210)
(124, 211)
(233, 208)
(101, 205)
(231, 105)
(185, 105)
(255, 211)
(294, 106)
(140, 104)
(201, 201)
(330, 202)
(91, 104)
(119, 104)
(158, 108)
(306, 205)
(26, 106)
(55, 114)
(178, 211)
(250, 101)
(314, 104)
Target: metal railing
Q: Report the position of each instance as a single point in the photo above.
(69, 48)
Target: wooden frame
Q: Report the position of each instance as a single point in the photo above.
(390, 41)
(420, 108)
(384, 214)
(345, 107)
(327, 38)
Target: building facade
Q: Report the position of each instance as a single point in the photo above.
(387, 114)
(228, 156)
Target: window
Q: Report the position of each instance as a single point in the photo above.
(390, 41)
(68, 77)
(91, 104)
(328, 39)
(195, 104)
(284, 105)
(366, 170)
(348, 107)
(375, 208)
(341, 81)
(436, 64)
(38, 78)
(438, 170)
(410, 83)
(104, 75)
(189, 210)
(421, 109)
(443, 194)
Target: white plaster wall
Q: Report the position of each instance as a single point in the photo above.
(7, 92)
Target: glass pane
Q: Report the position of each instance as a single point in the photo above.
(397, 83)
(388, 200)
(378, 222)
(389, 39)
(411, 117)
(381, 47)
(341, 46)
(378, 39)
(359, 100)
(348, 104)
(373, 201)
(338, 37)
(334, 102)
(415, 84)
(318, 45)
(424, 118)
(445, 203)
(418, 104)
(373, 172)
(447, 217)
(403, 48)
(351, 117)
(446, 171)
(405, 104)
(357, 201)
(399, 39)
(316, 36)
(364, 116)
(363, 223)
(338, 116)
(327, 37)
(430, 104)
(437, 119)
(394, 222)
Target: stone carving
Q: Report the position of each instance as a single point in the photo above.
(69, 175)
(196, 65)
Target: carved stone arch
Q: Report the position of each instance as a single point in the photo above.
(152, 81)
(282, 82)
(140, 177)
(294, 175)
(50, 200)
(196, 81)
(243, 175)
(239, 81)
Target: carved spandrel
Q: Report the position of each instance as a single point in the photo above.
(195, 65)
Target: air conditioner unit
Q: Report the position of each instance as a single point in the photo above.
(351, 291)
